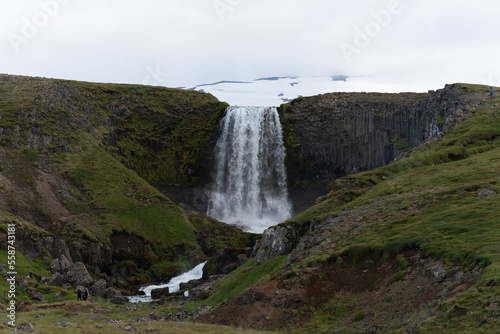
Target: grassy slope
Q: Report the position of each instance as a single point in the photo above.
(114, 322)
(123, 201)
(162, 132)
(428, 200)
(441, 181)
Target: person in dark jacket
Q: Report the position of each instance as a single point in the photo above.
(78, 294)
(491, 93)
(85, 295)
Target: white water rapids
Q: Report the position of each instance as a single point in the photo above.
(173, 284)
(250, 188)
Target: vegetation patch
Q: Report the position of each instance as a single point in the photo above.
(244, 277)
(397, 277)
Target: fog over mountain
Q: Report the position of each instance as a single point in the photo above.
(188, 43)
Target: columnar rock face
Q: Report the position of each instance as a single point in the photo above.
(335, 134)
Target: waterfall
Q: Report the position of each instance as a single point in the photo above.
(250, 188)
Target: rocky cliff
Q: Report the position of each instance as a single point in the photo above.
(332, 135)
(409, 247)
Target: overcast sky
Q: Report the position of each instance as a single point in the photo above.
(188, 42)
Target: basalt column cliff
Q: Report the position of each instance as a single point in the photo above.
(335, 134)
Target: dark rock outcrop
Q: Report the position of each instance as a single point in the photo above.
(119, 299)
(98, 288)
(277, 241)
(160, 293)
(59, 265)
(56, 279)
(335, 134)
(77, 274)
(225, 261)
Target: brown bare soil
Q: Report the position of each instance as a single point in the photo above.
(347, 296)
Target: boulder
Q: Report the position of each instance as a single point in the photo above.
(64, 324)
(486, 193)
(276, 241)
(56, 279)
(36, 295)
(55, 266)
(23, 283)
(160, 293)
(24, 327)
(55, 248)
(65, 264)
(191, 284)
(98, 288)
(77, 274)
(111, 292)
(200, 292)
(60, 250)
(119, 299)
(129, 328)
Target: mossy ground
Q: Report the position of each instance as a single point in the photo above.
(430, 201)
(245, 277)
(112, 319)
(427, 201)
(103, 143)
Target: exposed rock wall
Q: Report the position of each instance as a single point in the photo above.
(335, 134)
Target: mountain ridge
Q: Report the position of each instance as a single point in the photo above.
(78, 160)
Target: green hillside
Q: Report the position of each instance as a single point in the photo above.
(411, 247)
(440, 200)
(75, 163)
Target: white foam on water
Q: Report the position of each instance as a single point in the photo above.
(173, 284)
(250, 188)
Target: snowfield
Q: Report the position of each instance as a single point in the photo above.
(274, 91)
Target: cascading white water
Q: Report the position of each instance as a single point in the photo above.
(173, 284)
(250, 178)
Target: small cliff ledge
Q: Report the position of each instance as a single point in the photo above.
(336, 134)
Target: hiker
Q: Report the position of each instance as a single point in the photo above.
(491, 93)
(85, 295)
(78, 294)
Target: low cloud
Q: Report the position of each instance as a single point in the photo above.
(204, 40)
